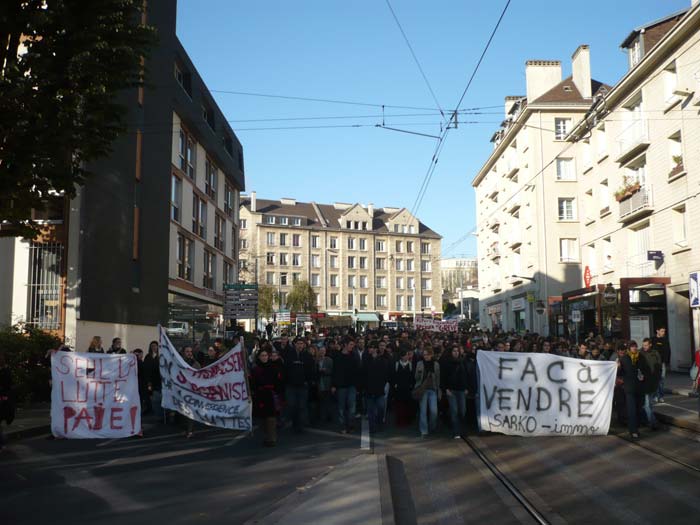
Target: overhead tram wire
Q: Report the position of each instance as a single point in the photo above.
(438, 148)
(415, 58)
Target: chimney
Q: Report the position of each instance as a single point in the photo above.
(370, 209)
(541, 76)
(510, 102)
(253, 202)
(581, 70)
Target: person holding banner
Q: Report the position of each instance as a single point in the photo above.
(151, 370)
(634, 372)
(427, 391)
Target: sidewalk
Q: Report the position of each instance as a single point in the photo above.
(29, 422)
(679, 410)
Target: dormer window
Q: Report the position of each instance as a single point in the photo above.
(635, 52)
(183, 77)
(208, 116)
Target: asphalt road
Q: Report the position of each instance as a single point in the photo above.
(216, 477)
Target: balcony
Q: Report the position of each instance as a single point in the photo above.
(514, 202)
(493, 251)
(637, 205)
(515, 235)
(632, 141)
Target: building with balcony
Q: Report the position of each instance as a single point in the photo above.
(355, 257)
(527, 198)
(641, 234)
(153, 235)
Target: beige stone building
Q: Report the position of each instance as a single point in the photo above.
(373, 260)
(526, 199)
(638, 153)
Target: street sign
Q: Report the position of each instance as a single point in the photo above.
(587, 277)
(576, 316)
(240, 301)
(609, 294)
(694, 289)
(655, 255)
(240, 286)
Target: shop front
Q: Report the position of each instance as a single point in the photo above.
(518, 305)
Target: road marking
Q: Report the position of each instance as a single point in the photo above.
(365, 442)
(681, 408)
(237, 439)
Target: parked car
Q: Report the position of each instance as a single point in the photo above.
(177, 328)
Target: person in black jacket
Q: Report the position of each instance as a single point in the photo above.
(345, 372)
(402, 381)
(454, 381)
(151, 371)
(634, 371)
(660, 344)
(375, 377)
(116, 347)
(299, 373)
(7, 402)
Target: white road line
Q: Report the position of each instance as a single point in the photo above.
(365, 440)
(682, 408)
(236, 439)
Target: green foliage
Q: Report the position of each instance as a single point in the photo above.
(448, 308)
(267, 295)
(63, 64)
(302, 298)
(25, 350)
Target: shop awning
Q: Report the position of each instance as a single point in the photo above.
(367, 318)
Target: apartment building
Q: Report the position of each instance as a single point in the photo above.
(526, 199)
(355, 257)
(152, 236)
(638, 158)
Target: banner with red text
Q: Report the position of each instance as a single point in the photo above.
(435, 325)
(94, 396)
(216, 395)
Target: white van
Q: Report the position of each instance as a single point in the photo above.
(177, 328)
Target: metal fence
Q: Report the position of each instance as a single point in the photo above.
(45, 286)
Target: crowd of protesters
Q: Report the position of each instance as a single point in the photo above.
(337, 377)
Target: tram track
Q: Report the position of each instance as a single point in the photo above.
(657, 452)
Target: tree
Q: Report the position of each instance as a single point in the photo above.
(302, 298)
(449, 308)
(267, 295)
(63, 64)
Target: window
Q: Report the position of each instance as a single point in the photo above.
(680, 226)
(562, 127)
(191, 158)
(604, 197)
(296, 259)
(567, 209)
(565, 169)
(270, 278)
(425, 248)
(315, 279)
(411, 229)
(363, 301)
(314, 241)
(351, 243)
(283, 239)
(381, 282)
(333, 241)
(334, 261)
(363, 244)
(607, 255)
(269, 220)
(381, 300)
(399, 246)
(409, 302)
(351, 281)
(399, 302)
(350, 300)
(363, 263)
(283, 299)
(334, 299)
(199, 216)
(182, 151)
(208, 116)
(270, 238)
(396, 228)
(284, 221)
(364, 225)
(636, 171)
(426, 284)
(228, 202)
(568, 250)
(380, 263)
(380, 246)
(283, 279)
(399, 265)
(363, 281)
(315, 261)
(296, 277)
(635, 52)
(208, 270)
(296, 221)
(357, 225)
(409, 265)
(426, 302)
(348, 225)
(185, 256)
(211, 179)
(671, 84)
(176, 199)
(283, 259)
(351, 262)
(244, 224)
(296, 240)
(409, 246)
(228, 273)
(270, 258)
(243, 244)
(399, 283)
(219, 234)
(334, 281)
(183, 77)
(425, 266)
(675, 149)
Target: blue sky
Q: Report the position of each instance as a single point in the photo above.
(353, 51)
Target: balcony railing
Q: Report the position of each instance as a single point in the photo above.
(493, 251)
(633, 140)
(638, 204)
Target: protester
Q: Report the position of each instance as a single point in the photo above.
(651, 381)
(376, 376)
(299, 372)
(96, 346)
(402, 382)
(454, 381)
(7, 401)
(427, 391)
(116, 347)
(324, 368)
(151, 370)
(345, 372)
(634, 371)
(266, 382)
(188, 357)
(660, 344)
(143, 385)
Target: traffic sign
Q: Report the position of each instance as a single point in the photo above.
(576, 316)
(240, 301)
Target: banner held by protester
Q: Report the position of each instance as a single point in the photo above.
(216, 395)
(544, 395)
(94, 396)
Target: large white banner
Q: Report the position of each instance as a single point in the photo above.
(544, 395)
(436, 325)
(94, 395)
(216, 395)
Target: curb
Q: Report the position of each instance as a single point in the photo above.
(687, 423)
(386, 498)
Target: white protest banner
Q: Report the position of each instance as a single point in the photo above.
(435, 325)
(94, 396)
(544, 395)
(216, 395)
